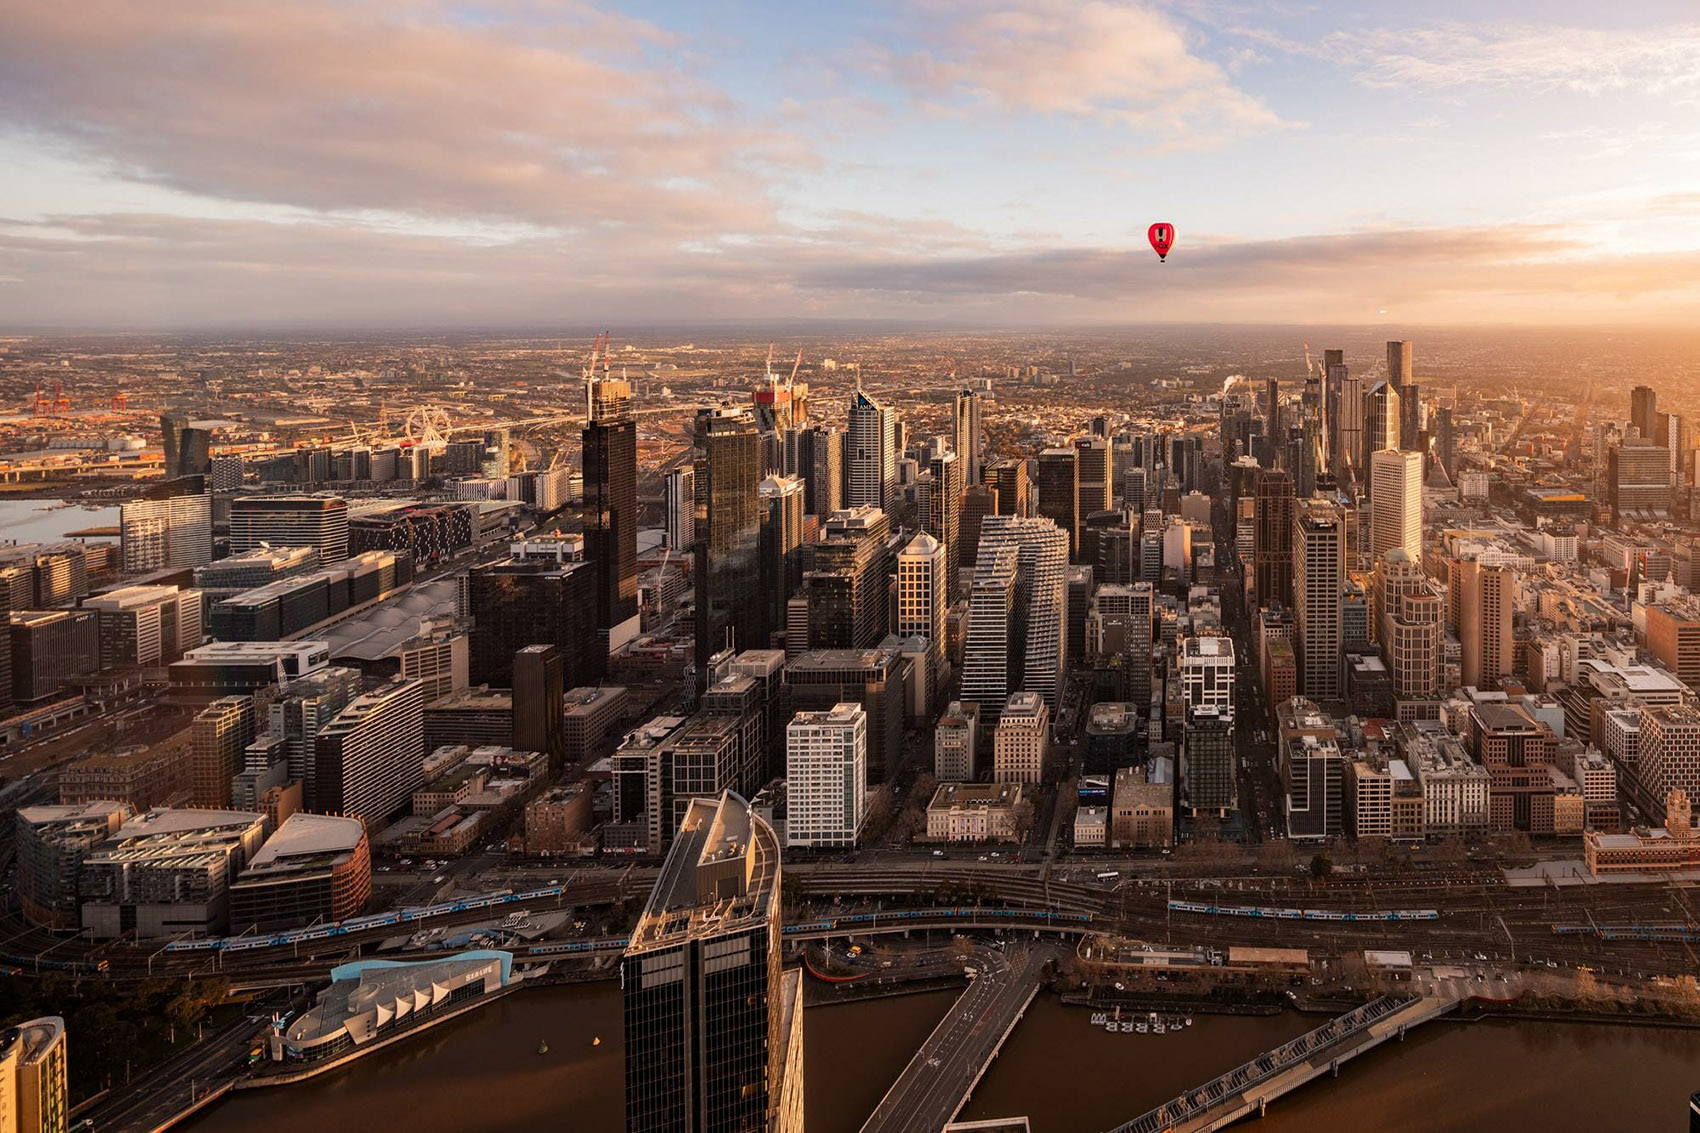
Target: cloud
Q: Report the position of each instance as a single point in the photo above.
(557, 115)
(1127, 63)
(1525, 57)
(167, 273)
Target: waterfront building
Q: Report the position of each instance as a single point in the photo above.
(168, 527)
(370, 1001)
(826, 777)
(710, 1015)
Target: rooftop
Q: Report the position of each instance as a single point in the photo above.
(695, 896)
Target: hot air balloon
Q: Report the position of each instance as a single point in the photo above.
(1162, 237)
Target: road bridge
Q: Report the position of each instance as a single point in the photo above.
(1248, 1089)
(936, 1083)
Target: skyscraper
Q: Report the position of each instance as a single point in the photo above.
(1319, 556)
(826, 776)
(539, 685)
(727, 459)
(847, 589)
(611, 508)
(1096, 475)
(992, 655)
(781, 547)
(1041, 601)
(1644, 410)
(922, 596)
(523, 602)
(944, 511)
(1059, 493)
(218, 738)
(820, 462)
(1487, 597)
(1015, 493)
(1381, 424)
(1396, 504)
(1410, 625)
(188, 446)
(1272, 406)
(1399, 364)
(713, 1026)
(370, 758)
(871, 464)
(680, 495)
(168, 527)
(966, 437)
(1272, 549)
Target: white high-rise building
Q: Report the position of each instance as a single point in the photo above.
(681, 499)
(1207, 672)
(991, 659)
(1396, 504)
(174, 533)
(922, 586)
(966, 438)
(871, 453)
(1041, 568)
(1319, 553)
(826, 776)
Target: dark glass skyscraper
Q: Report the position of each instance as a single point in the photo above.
(610, 509)
(713, 1025)
(539, 684)
(533, 602)
(727, 460)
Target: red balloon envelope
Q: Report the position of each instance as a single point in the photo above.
(1162, 237)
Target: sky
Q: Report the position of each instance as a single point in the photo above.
(563, 164)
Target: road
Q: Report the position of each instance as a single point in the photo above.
(935, 1084)
(162, 1093)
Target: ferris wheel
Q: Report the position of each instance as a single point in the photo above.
(428, 425)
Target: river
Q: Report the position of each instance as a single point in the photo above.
(483, 1072)
(24, 521)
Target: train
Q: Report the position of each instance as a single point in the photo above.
(959, 913)
(1653, 932)
(361, 924)
(1256, 911)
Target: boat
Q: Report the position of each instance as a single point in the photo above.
(1158, 1029)
(1189, 1020)
(543, 1047)
(597, 1041)
(1142, 1028)
(1110, 1027)
(1099, 1018)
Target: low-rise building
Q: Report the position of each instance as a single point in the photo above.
(168, 872)
(975, 812)
(589, 718)
(1091, 828)
(143, 775)
(1673, 848)
(559, 821)
(52, 842)
(1142, 812)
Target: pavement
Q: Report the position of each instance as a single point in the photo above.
(938, 1079)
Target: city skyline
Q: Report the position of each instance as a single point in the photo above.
(953, 164)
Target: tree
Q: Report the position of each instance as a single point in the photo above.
(881, 809)
(1023, 819)
(1321, 866)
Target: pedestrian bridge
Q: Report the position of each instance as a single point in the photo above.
(1248, 1089)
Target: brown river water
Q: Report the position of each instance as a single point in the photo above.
(483, 1072)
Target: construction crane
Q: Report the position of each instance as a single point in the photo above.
(795, 366)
